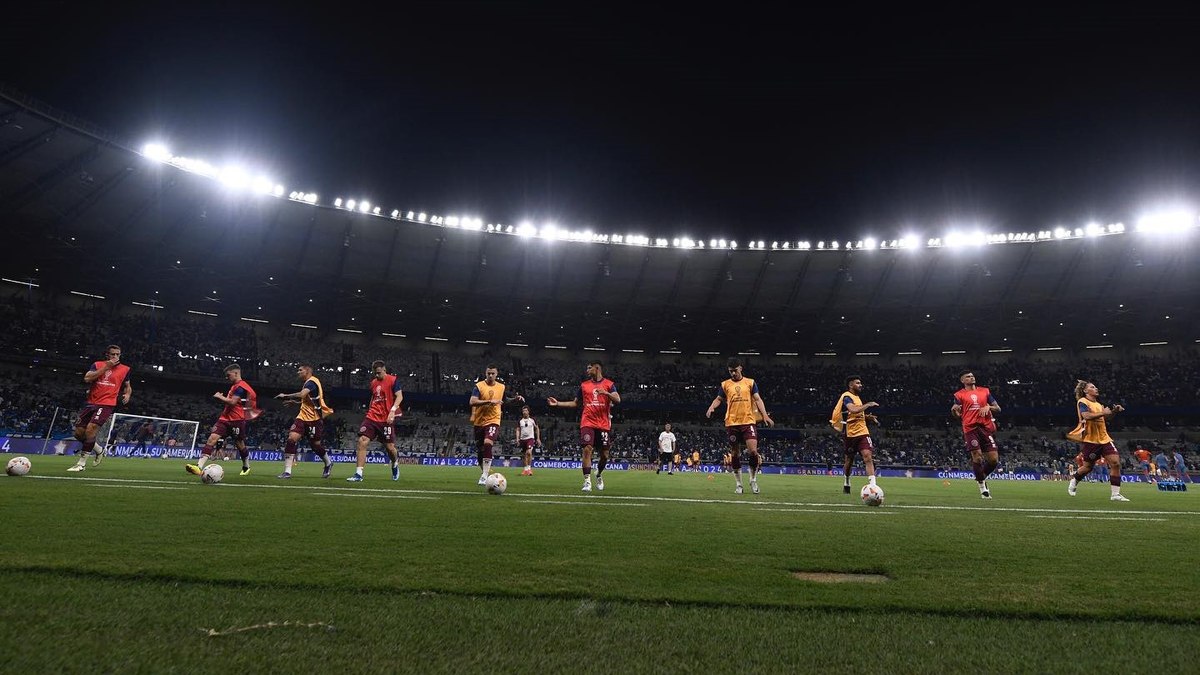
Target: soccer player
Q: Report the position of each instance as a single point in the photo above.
(1143, 458)
(1181, 471)
(741, 398)
(849, 419)
(596, 396)
(241, 405)
(666, 450)
(380, 421)
(1092, 435)
(977, 408)
(486, 400)
(309, 422)
(106, 378)
(1162, 466)
(529, 434)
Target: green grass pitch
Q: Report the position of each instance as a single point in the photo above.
(135, 566)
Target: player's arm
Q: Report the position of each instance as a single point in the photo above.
(304, 393)
(762, 409)
(555, 403)
(126, 392)
(537, 433)
(855, 409)
(716, 403)
(399, 394)
(478, 400)
(956, 408)
(95, 373)
(992, 405)
(515, 399)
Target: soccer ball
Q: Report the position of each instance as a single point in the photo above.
(19, 466)
(872, 495)
(496, 484)
(213, 473)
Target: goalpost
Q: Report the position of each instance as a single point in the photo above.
(145, 436)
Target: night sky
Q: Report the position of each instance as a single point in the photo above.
(744, 122)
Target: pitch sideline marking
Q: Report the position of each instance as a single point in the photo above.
(1140, 520)
(578, 503)
(351, 494)
(843, 511)
(683, 500)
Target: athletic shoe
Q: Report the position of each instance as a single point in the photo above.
(670, 473)
(285, 475)
(846, 489)
(483, 480)
(738, 490)
(587, 486)
(599, 483)
(754, 485)
(193, 469)
(1071, 487)
(328, 470)
(356, 478)
(245, 471)
(1118, 498)
(396, 471)
(77, 467)
(659, 471)
(101, 451)
(984, 492)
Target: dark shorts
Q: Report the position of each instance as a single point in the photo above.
(94, 414)
(599, 439)
(313, 431)
(235, 429)
(853, 444)
(980, 439)
(666, 457)
(383, 431)
(527, 443)
(1094, 451)
(741, 433)
(490, 432)
(1146, 466)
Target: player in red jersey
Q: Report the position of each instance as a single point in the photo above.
(241, 406)
(380, 421)
(597, 394)
(105, 378)
(977, 407)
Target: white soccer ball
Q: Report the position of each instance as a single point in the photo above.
(19, 466)
(496, 484)
(212, 474)
(872, 495)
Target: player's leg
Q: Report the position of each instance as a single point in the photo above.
(360, 458)
(528, 470)
(243, 454)
(1113, 459)
(735, 462)
(603, 461)
(205, 454)
(318, 447)
(85, 446)
(289, 449)
(868, 463)
(587, 468)
(847, 466)
(485, 459)
(393, 454)
(1084, 469)
(755, 462)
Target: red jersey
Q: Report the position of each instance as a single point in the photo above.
(973, 403)
(597, 408)
(383, 396)
(105, 389)
(246, 408)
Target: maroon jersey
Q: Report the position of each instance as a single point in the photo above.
(244, 409)
(383, 396)
(597, 407)
(973, 403)
(105, 389)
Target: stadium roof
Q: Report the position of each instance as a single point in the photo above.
(90, 214)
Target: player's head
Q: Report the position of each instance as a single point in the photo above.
(854, 384)
(525, 411)
(233, 372)
(667, 426)
(1084, 388)
(734, 365)
(113, 352)
(379, 368)
(304, 371)
(595, 370)
(966, 377)
(491, 373)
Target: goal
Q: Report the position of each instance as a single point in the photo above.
(144, 436)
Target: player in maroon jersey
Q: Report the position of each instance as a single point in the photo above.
(241, 406)
(380, 421)
(597, 394)
(105, 378)
(977, 408)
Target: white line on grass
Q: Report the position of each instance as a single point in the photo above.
(349, 493)
(135, 487)
(575, 503)
(1140, 520)
(841, 511)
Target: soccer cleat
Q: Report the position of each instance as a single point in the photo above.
(356, 478)
(846, 489)
(1118, 498)
(1071, 487)
(670, 473)
(328, 470)
(77, 467)
(483, 480)
(101, 451)
(738, 490)
(245, 471)
(754, 485)
(285, 475)
(193, 469)
(599, 483)
(396, 471)
(984, 492)
(587, 486)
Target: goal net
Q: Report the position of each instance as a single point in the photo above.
(144, 436)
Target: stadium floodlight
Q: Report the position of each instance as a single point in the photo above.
(338, 202)
(156, 151)
(867, 243)
(451, 221)
(761, 244)
(834, 245)
(364, 206)
(1116, 228)
(395, 213)
(278, 191)
(375, 210)
(1093, 229)
(821, 245)
(1176, 220)
(262, 185)
(350, 204)
(524, 230)
(774, 245)
(721, 243)
(1061, 233)
(421, 217)
(733, 244)
(234, 177)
